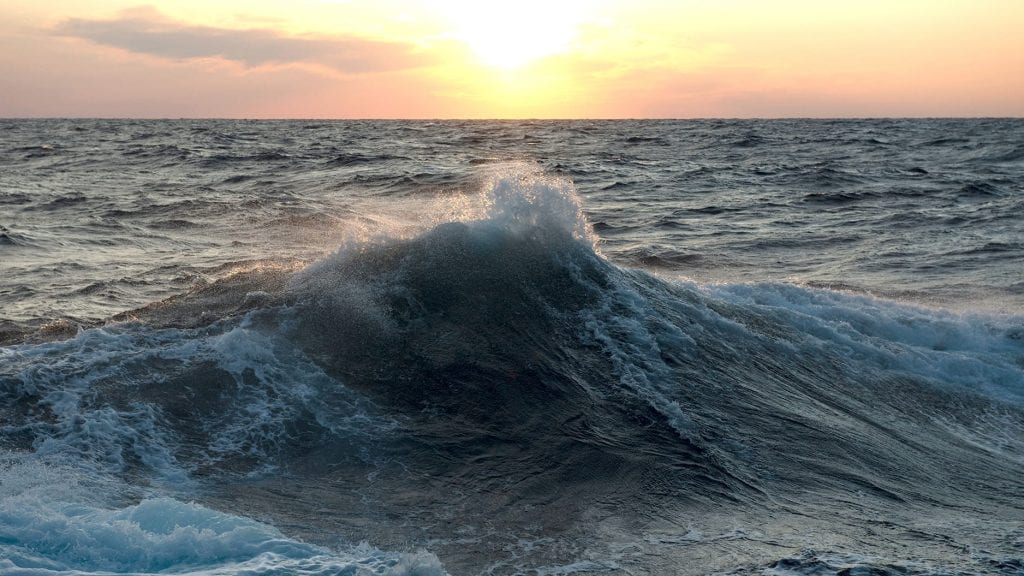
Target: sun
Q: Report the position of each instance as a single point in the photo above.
(513, 34)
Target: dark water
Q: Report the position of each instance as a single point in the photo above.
(731, 347)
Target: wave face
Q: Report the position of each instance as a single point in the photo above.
(491, 391)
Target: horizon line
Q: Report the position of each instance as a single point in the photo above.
(500, 119)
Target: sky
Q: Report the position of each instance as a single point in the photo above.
(518, 59)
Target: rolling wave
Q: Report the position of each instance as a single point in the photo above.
(502, 358)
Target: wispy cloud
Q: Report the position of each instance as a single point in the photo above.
(146, 31)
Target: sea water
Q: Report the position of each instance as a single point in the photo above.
(521, 347)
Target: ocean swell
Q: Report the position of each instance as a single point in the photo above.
(498, 372)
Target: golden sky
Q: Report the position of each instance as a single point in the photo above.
(524, 58)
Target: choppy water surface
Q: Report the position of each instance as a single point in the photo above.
(735, 347)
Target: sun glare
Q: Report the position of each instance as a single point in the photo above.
(511, 35)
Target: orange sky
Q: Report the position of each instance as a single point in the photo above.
(528, 58)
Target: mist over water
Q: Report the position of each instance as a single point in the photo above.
(764, 347)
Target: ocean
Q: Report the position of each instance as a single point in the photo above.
(772, 347)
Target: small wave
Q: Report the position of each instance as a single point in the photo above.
(616, 185)
(228, 159)
(237, 179)
(483, 161)
(647, 140)
(10, 238)
(355, 159)
(15, 198)
(947, 141)
(102, 286)
(159, 152)
(813, 564)
(172, 224)
(307, 220)
(749, 141)
(991, 248)
(665, 257)
(33, 152)
(13, 332)
(604, 227)
(93, 288)
(839, 197)
(174, 209)
(708, 210)
(63, 202)
(978, 189)
(790, 242)
(832, 176)
(1012, 155)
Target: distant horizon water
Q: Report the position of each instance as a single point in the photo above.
(510, 119)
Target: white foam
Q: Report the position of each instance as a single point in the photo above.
(88, 384)
(979, 352)
(48, 528)
(633, 338)
(63, 375)
(287, 385)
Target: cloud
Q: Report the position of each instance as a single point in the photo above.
(146, 31)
